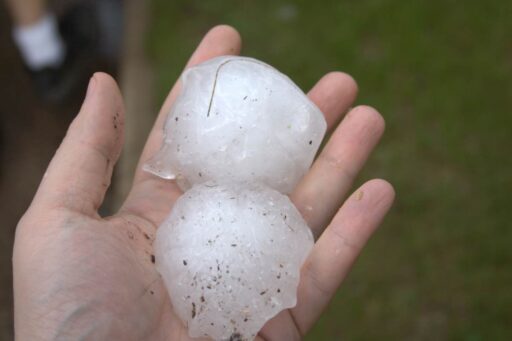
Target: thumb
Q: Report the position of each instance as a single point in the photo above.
(80, 172)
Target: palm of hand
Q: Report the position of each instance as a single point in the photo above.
(106, 268)
(78, 274)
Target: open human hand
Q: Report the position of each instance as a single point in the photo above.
(80, 276)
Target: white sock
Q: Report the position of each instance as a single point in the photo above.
(40, 44)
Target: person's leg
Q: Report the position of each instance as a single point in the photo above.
(26, 12)
(36, 34)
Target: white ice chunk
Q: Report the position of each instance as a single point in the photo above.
(230, 257)
(239, 119)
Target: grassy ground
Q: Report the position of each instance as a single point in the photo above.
(440, 72)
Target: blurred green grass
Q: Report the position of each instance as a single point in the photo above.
(440, 73)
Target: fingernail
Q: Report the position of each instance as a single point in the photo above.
(90, 87)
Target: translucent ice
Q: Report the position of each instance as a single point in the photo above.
(239, 119)
(230, 257)
(239, 135)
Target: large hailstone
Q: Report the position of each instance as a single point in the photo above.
(230, 257)
(239, 119)
(238, 136)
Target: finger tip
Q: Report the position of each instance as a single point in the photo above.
(109, 90)
(224, 29)
(104, 78)
(372, 118)
(228, 34)
(346, 82)
(220, 40)
(383, 188)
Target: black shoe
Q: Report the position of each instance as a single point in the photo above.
(55, 84)
(78, 30)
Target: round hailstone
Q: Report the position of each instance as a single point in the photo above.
(230, 257)
(239, 119)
